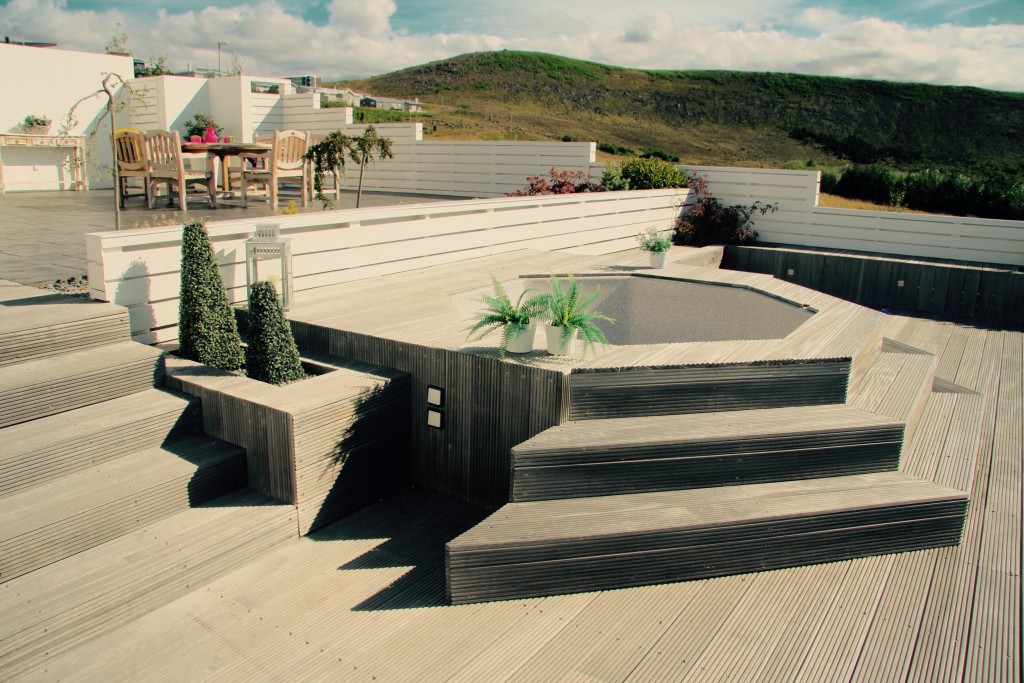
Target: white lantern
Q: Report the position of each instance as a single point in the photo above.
(268, 257)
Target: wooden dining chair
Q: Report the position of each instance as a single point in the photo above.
(284, 163)
(163, 151)
(131, 162)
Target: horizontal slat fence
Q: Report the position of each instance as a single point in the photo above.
(140, 269)
(943, 289)
(801, 222)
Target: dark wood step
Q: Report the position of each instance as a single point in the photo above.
(641, 454)
(585, 544)
(67, 603)
(51, 385)
(633, 392)
(35, 324)
(65, 516)
(52, 447)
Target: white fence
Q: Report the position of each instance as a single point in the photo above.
(140, 269)
(801, 222)
(462, 168)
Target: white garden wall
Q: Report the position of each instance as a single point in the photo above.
(801, 222)
(140, 269)
(48, 81)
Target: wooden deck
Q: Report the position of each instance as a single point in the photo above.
(363, 598)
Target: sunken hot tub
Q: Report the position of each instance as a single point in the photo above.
(661, 310)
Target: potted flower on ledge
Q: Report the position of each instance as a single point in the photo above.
(656, 244)
(571, 317)
(36, 125)
(517, 322)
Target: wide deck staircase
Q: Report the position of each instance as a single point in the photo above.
(766, 473)
(112, 500)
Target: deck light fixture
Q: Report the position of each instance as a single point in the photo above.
(268, 257)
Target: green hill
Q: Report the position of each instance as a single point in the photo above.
(716, 117)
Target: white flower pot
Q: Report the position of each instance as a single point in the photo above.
(659, 259)
(554, 337)
(524, 342)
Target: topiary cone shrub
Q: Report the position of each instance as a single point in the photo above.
(207, 332)
(271, 355)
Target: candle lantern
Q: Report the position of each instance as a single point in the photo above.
(268, 257)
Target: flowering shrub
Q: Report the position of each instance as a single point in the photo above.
(709, 222)
(562, 182)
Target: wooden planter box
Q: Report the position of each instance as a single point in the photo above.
(329, 444)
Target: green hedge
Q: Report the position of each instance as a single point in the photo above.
(207, 332)
(271, 355)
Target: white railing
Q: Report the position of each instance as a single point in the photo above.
(140, 269)
(801, 222)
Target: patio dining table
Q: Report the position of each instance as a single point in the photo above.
(222, 151)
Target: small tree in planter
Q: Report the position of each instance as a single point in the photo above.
(329, 155)
(271, 355)
(207, 332)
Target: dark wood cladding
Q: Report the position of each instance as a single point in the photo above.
(586, 544)
(634, 392)
(639, 455)
(948, 290)
(489, 407)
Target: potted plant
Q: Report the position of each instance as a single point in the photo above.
(656, 244)
(517, 321)
(570, 316)
(36, 125)
(201, 126)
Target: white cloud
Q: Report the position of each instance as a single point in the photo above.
(359, 39)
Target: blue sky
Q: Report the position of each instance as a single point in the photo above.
(966, 42)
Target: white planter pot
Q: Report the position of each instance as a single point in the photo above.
(555, 347)
(659, 259)
(524, 342)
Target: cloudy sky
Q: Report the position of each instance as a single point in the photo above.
(960, 42)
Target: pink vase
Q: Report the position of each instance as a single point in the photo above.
(211, 135)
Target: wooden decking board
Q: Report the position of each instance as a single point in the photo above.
(130, 576)
(995, 650)
(674, 654)
(59, 445)
(834, 652)
(889, 647)
(596, 645)
(48, 523)
(46, 386)
(822, 583)
(524, 549)
(942, 643)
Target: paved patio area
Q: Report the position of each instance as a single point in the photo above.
(41, 232)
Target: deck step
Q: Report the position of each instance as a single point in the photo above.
(55, 446)
(55, 608)
(633, 392)
(37, 324)
(51, 385)
(897, 384)
(585, 544)
(641, 454)
(48, 523)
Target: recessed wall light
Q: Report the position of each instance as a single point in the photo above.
(435, 419)
(435, 396)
